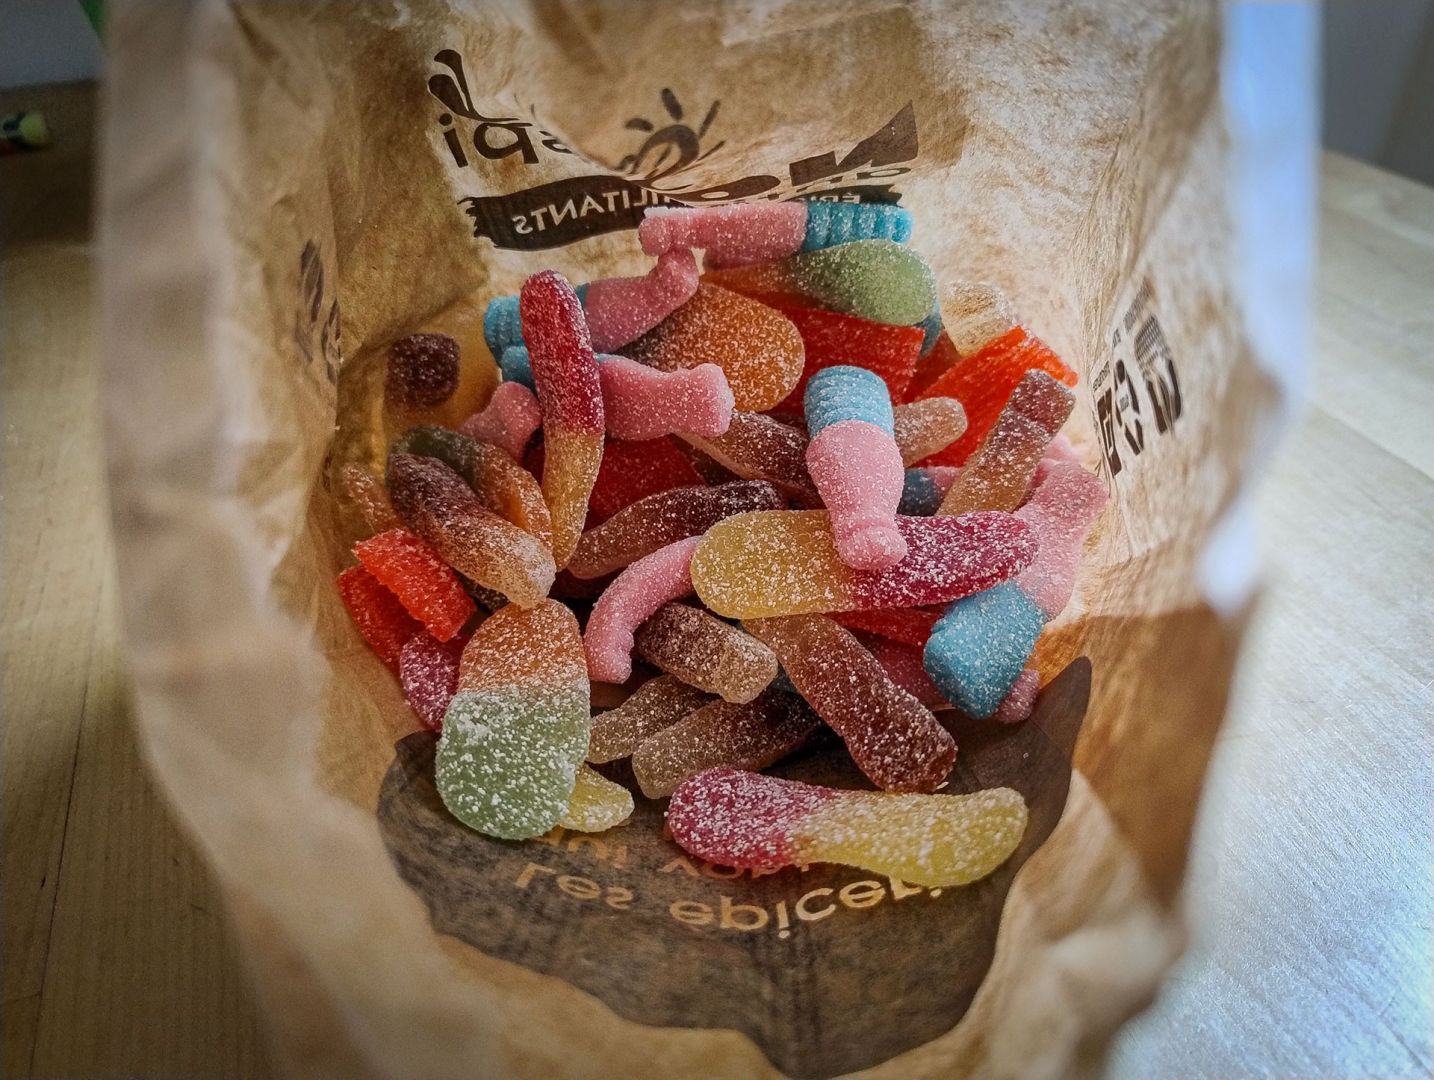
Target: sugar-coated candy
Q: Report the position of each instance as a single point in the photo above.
(517, 729)
(478, 371)
(1060, 451)
(424, 584)
(361, 492)
(926, 427)
(830, 338)
(923, 488)
(517, 366)
(454, 449)
(565, 373)
(509, 490)
(738, 234)
(503, 325)
(619, 310)
(1016, 706)
(984, 381)
(747, 735)
(911, 625)
(998, 475)
(784, 562)
(905, 667)
(1060, 512)
(509, 419)
(660, 519)
(422, 372)
(597, 804)
(940, 358)
(380, 617)
(980, 646)
(879, 280)
(764, 823)
(629, 601)
(974, 313)
(640, 402)
(757, 348)
(706, 652)
(855, 464)
(428, 673)
(437, 504)
(756, 447)
(656, 704)
(891, 736)
(634, 470)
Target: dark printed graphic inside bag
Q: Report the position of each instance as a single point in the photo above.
(721, 603)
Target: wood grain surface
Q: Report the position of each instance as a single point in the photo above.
(1310, 883)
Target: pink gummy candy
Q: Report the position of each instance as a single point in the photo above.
(732, 235)
(905, 667)
(857, 468)
(640, 402)
(1061, 450)
(632, 598)
(428, 670)
(1021, 699)
(1060, 512)
(620, 310)
(508, 420)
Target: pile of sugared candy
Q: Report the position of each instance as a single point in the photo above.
(798, 487)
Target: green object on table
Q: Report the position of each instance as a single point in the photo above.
(95, 11)
(23, 131)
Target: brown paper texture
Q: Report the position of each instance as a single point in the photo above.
(290, 187)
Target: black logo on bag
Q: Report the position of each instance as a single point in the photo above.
(563, 211)
(1120, 417)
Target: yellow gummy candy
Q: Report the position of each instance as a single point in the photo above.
(597, 803)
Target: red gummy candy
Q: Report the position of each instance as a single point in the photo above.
(635, 470)
(378, 614)
(425, 585)
(428, 670)
(984, 381)
(909, 625)
(831, 339)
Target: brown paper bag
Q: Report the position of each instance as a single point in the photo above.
(290, 187)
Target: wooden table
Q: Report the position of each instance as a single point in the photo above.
(1310, 885)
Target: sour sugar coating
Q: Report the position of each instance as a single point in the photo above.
(742, 233)
(706, 652)
(597, 803)
(516, 365)
(424, 584)
(640, 402)
(756, 447)
(565, 372)
(878, 280)
(620, 310)
(1061, 451)
(1060, 512)
(662, 519)
(911, 625)
(1018, 704)
(830, 339)
(998, 475)
(629, 601)
(378, 614)
(631, 471)
(764, 823)
(855, 464)
(784, 562)
(983, 383)
(422, 374)
(926, 427)
(503, 324)
(980, 647)
(923, 489)
(437, 504)
(757, 348)
(455, 450)
(940, 358)
(509, 490)
(360, 490)
(509, 420)
(975, 313)
(904, 666)
(517, 729)
(890, 735)
(656, 704)
(428, 673)
(750, 735)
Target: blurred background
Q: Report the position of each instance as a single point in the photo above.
(1378, 71)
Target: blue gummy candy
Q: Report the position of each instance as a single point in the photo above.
(931, 327)
(503, 325)
(846, 393)
(979, 647)
(833, 223)
(516, 365)
(920, 497)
